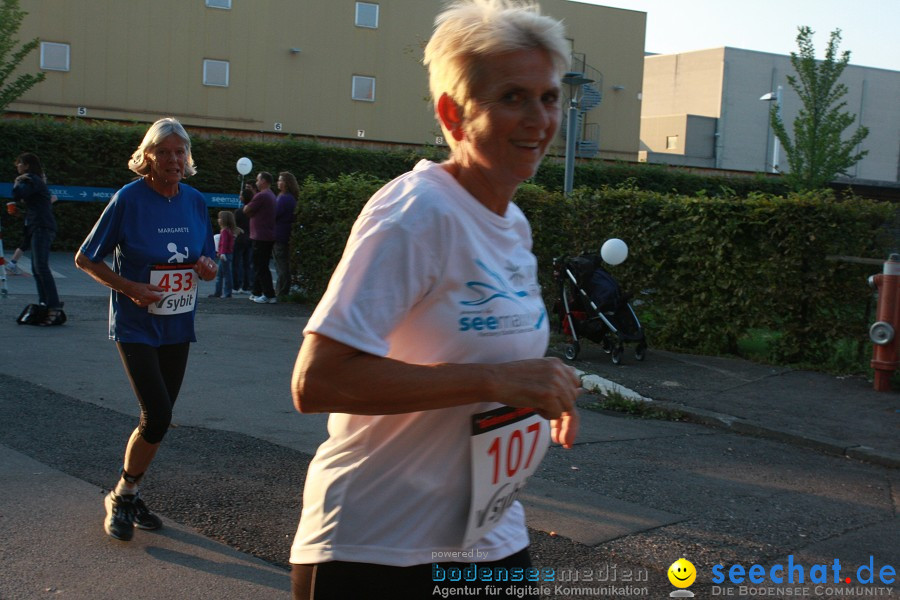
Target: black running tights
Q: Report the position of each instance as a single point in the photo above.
(156, 375)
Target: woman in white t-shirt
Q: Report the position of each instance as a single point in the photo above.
(428, 346)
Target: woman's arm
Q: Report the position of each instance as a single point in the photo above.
(332, 377)
(23, 188)
(142, 294)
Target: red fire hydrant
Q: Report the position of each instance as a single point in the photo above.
(883, 332)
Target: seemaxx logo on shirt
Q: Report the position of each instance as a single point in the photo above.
(497, 288)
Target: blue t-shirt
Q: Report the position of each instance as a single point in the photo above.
(144, 228)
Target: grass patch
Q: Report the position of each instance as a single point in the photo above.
(846, 357)
(755, 344)
(616, 402)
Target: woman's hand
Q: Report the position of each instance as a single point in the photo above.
(206, 268)
(144, 294)
(547, 385)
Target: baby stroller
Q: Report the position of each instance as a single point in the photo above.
(593, 306)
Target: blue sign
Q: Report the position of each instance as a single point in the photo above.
(222, 200)
(74, 193)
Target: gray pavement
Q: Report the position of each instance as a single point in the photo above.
(813, 473)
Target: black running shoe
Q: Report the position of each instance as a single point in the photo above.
(119, 521)
(143, 518)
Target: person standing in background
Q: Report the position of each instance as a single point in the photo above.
(227, 232)
(30, 191)
(242, 266)
(261, 211)
(285, 205)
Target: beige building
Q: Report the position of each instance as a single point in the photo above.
(704, 109)
(335, 70)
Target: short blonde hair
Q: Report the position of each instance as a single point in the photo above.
(470, 29)
(154, 136)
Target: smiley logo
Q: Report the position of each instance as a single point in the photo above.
(682, 573)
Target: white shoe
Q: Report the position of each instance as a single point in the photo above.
(260, 299)
(273, 300)
(253, 298)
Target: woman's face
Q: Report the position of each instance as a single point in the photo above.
(513, 115)
(167, 160)
(281, 185)
(21, 167)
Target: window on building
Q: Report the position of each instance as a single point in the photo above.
(367, 15)
(54, 56)
(226, 4)
(671, 142)
(215, 72)
(364, 88)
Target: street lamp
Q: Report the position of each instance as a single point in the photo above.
(776, 98)
(575, 81)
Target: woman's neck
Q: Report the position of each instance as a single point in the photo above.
(163, 188)
(475, 182)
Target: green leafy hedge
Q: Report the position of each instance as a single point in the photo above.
(325, 213)
(95, 154)
(710, 257)
(704, 270)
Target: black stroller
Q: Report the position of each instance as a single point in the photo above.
(592, 305)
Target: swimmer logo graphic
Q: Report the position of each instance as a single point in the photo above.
(488, 291)
(177, 257)
(682, 574)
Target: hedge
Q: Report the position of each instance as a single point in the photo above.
(76, 152)
(706, 270)
(710, 257)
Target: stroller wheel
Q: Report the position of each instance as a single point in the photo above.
(640, 352)
(606, 344)
(572, 350)
(617, 353)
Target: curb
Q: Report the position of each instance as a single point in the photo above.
(599, 385)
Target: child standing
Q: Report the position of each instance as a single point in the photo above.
(229, 231)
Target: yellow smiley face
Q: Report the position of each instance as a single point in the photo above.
(682, 573)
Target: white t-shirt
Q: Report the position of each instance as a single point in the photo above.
(429, 275)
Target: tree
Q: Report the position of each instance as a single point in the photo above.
(818, 153)
(10, 58)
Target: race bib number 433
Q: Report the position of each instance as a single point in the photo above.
(179, 289)
(508, 444)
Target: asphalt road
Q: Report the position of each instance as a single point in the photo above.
(615, 512)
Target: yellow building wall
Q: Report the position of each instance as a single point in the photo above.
(138, 61)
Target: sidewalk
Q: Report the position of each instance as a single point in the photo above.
(843, 416)
(50, 521)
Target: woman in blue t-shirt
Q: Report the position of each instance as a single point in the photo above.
(160, 235)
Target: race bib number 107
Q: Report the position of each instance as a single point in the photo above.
(179, 289)
(508, 444)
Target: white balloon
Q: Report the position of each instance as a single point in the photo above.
(244, 165)
(614, 251)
